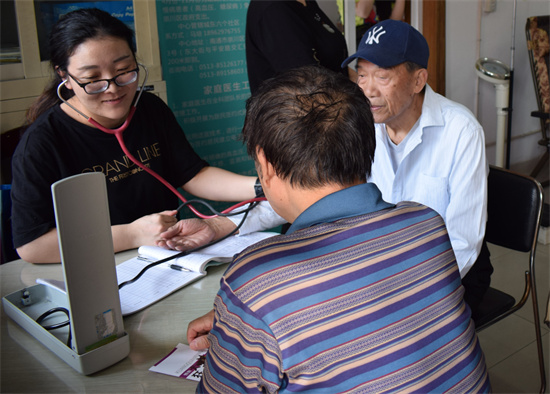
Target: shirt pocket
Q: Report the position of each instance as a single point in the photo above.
(433, 192)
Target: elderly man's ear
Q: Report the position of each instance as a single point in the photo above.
(421, 79)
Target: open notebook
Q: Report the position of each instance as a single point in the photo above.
(164, 279)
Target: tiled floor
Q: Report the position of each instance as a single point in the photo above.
(509, 345)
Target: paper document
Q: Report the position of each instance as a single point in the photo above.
(162, 280)
(182, 362)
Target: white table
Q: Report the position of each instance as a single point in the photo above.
(28, 366)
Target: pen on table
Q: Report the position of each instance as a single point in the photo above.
(143, 258)
(173, 266)
(178, 268)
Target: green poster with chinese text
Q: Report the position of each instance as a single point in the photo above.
(202, 50)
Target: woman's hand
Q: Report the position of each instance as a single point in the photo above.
(146, 230)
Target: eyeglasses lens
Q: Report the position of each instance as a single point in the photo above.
(126, 79)
(120, 80)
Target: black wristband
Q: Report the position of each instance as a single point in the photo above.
(258, 188)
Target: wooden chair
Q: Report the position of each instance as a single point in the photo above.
(514, 214)
(538, 48)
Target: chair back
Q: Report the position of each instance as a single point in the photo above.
(514, 213)
(8, 143)
(514, 210)
(538, 49)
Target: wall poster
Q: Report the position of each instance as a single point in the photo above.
(202, 50)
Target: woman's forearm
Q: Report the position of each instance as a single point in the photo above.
(217, 184)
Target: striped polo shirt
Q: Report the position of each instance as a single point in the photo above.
(358, 296)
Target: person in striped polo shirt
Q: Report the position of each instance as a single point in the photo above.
(359, 295)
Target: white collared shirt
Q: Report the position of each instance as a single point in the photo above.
(443, 165)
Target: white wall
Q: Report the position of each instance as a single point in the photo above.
(495, 41)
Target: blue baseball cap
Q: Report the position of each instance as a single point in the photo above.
(389, 43)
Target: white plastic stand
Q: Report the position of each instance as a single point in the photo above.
(45, 298)
(501, 104)
(497, 73)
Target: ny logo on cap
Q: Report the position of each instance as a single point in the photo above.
(374, 35)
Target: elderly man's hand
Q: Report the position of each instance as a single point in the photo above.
(192, 233)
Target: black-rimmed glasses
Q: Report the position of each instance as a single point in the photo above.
(102, 85)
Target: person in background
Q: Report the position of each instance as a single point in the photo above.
(360, 15)
(429, 149)
(281, 35)
(94, 55)
(369, 12)
(359, 294)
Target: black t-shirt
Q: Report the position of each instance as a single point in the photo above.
(281, 35)
(383, 9)
(57, 146)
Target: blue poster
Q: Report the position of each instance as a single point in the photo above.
(51, 11)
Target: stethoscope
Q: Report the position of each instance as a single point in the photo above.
(118, 134)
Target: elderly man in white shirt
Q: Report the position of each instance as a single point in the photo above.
(429, 150)
(440, 163)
